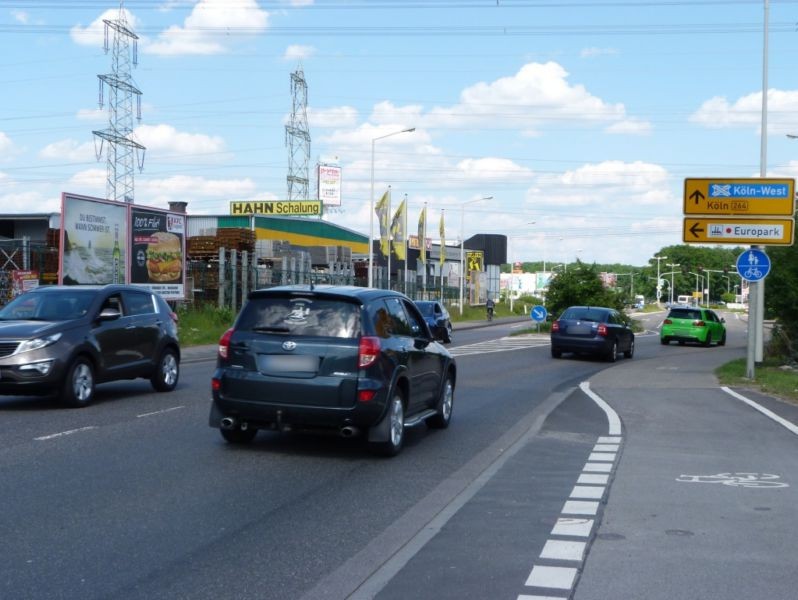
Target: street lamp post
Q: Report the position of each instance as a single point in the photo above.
(371, 212)
(672, 265)
(659, 288)
(462, 245)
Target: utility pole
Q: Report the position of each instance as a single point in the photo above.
(297, 138)
(123, 151)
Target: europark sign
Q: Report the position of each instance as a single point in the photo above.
(279, 208)
(739, 211)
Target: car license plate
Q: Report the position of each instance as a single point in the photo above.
(278, 364)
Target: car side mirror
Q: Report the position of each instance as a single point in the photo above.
(421, 342)
(109, 314)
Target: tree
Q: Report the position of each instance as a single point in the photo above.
(579, 285)
(781, 289)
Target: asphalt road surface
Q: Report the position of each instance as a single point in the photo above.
(569, 478)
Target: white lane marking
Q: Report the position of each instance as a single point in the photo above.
(768, 413)
(580, 507)
(159, 412)
(563, 550)
(597, 467)
(504, 344)
(593, 479)
(561, 578)
(63, 433)
(612, 416)
(609, 440)
(587, 492)
(602, 456)
(573, 527)
(606, 448)
(528, 597)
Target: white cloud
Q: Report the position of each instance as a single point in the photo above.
(183, 186)
(94, 115)
(298, 52)
(719, 113)
(536, 94)
(339, 116)
(28, 201)
(6, 145)
(481, 169)
(204, 30)
(69, 150)
(165, 139)
(636, 175)
(21, 16)
(94, 34)
(301, 2)
(632, 126)
(90, 179)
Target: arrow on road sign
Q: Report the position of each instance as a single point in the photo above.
(695, 230)
(697, 195)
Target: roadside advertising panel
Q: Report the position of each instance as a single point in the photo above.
(93, 241)
(329, 178)
(23, 281)
(158, 251)
(475, 261)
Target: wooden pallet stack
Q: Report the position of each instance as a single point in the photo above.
(202, 247)
(236, 238)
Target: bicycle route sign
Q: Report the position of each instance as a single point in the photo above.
(753, 265)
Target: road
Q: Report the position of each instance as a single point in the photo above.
(528, 494)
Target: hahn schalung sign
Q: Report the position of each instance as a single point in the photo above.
(276, 208)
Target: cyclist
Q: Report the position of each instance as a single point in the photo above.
(489, 308)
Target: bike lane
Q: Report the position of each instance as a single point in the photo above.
(703, 500)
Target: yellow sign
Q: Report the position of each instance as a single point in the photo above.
(738, 230)
(277, 208)
(739, 196)
(475, 260)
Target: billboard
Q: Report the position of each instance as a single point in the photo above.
(106, 242)
(93, 241)
(329, 178)
(158, 246)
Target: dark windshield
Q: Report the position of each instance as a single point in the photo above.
(303, 315)
(585, 313)
(426, 308)
(48, 306)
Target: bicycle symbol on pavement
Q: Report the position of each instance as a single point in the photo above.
(753, 273)
(747, 480)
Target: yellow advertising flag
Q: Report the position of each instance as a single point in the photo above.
(443, 241)
(422, 236)
(398, 232)
(382, 215)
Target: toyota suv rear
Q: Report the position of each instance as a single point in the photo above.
(340, 359)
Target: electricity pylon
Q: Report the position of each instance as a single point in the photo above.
(297, 138)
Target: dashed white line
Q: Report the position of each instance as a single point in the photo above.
(572, 527)
(593, 479)
(561, 578)
(63, 433)
(580, 507)
(159, 412)
(602, 456)
(587, 492)
(598, 467)
(563, 550)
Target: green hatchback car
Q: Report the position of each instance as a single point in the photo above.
(697, 325)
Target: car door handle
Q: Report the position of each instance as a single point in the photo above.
(130, 326)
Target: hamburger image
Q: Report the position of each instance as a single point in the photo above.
(164, 257)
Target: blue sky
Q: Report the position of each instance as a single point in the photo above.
(580, 118)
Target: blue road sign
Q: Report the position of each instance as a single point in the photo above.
(538, 313)
(753, 265)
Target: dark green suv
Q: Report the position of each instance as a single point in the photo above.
(696, 325)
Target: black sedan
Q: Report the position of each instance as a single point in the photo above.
(592, 330)
(437, 318)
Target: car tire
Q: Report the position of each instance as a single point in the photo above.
(167, 372)
(722, 341)
(664, 341)
(79, 384)
(708, 340)
(444, 408)
(239, 436)
(631, 351)
(448, 338)
(556, 352)
(396, 428)
(612, 356)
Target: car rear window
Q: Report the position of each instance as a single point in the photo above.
(301, 315)
(585, 314)
(684, 313)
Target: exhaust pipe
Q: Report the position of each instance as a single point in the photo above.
(227, 423)
(348, 431)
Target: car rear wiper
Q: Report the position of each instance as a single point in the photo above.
(272, 329)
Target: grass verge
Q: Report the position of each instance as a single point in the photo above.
(770, 377)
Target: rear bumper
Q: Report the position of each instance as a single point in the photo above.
(584, 345)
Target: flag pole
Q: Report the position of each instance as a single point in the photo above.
(404, 282)
(388, 233)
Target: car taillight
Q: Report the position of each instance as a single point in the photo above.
(555, 326)
(667, 322)
(224, 343)
(699, 324)
(602, 330)
(216, 384)
(366, 395)
(368, 350)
